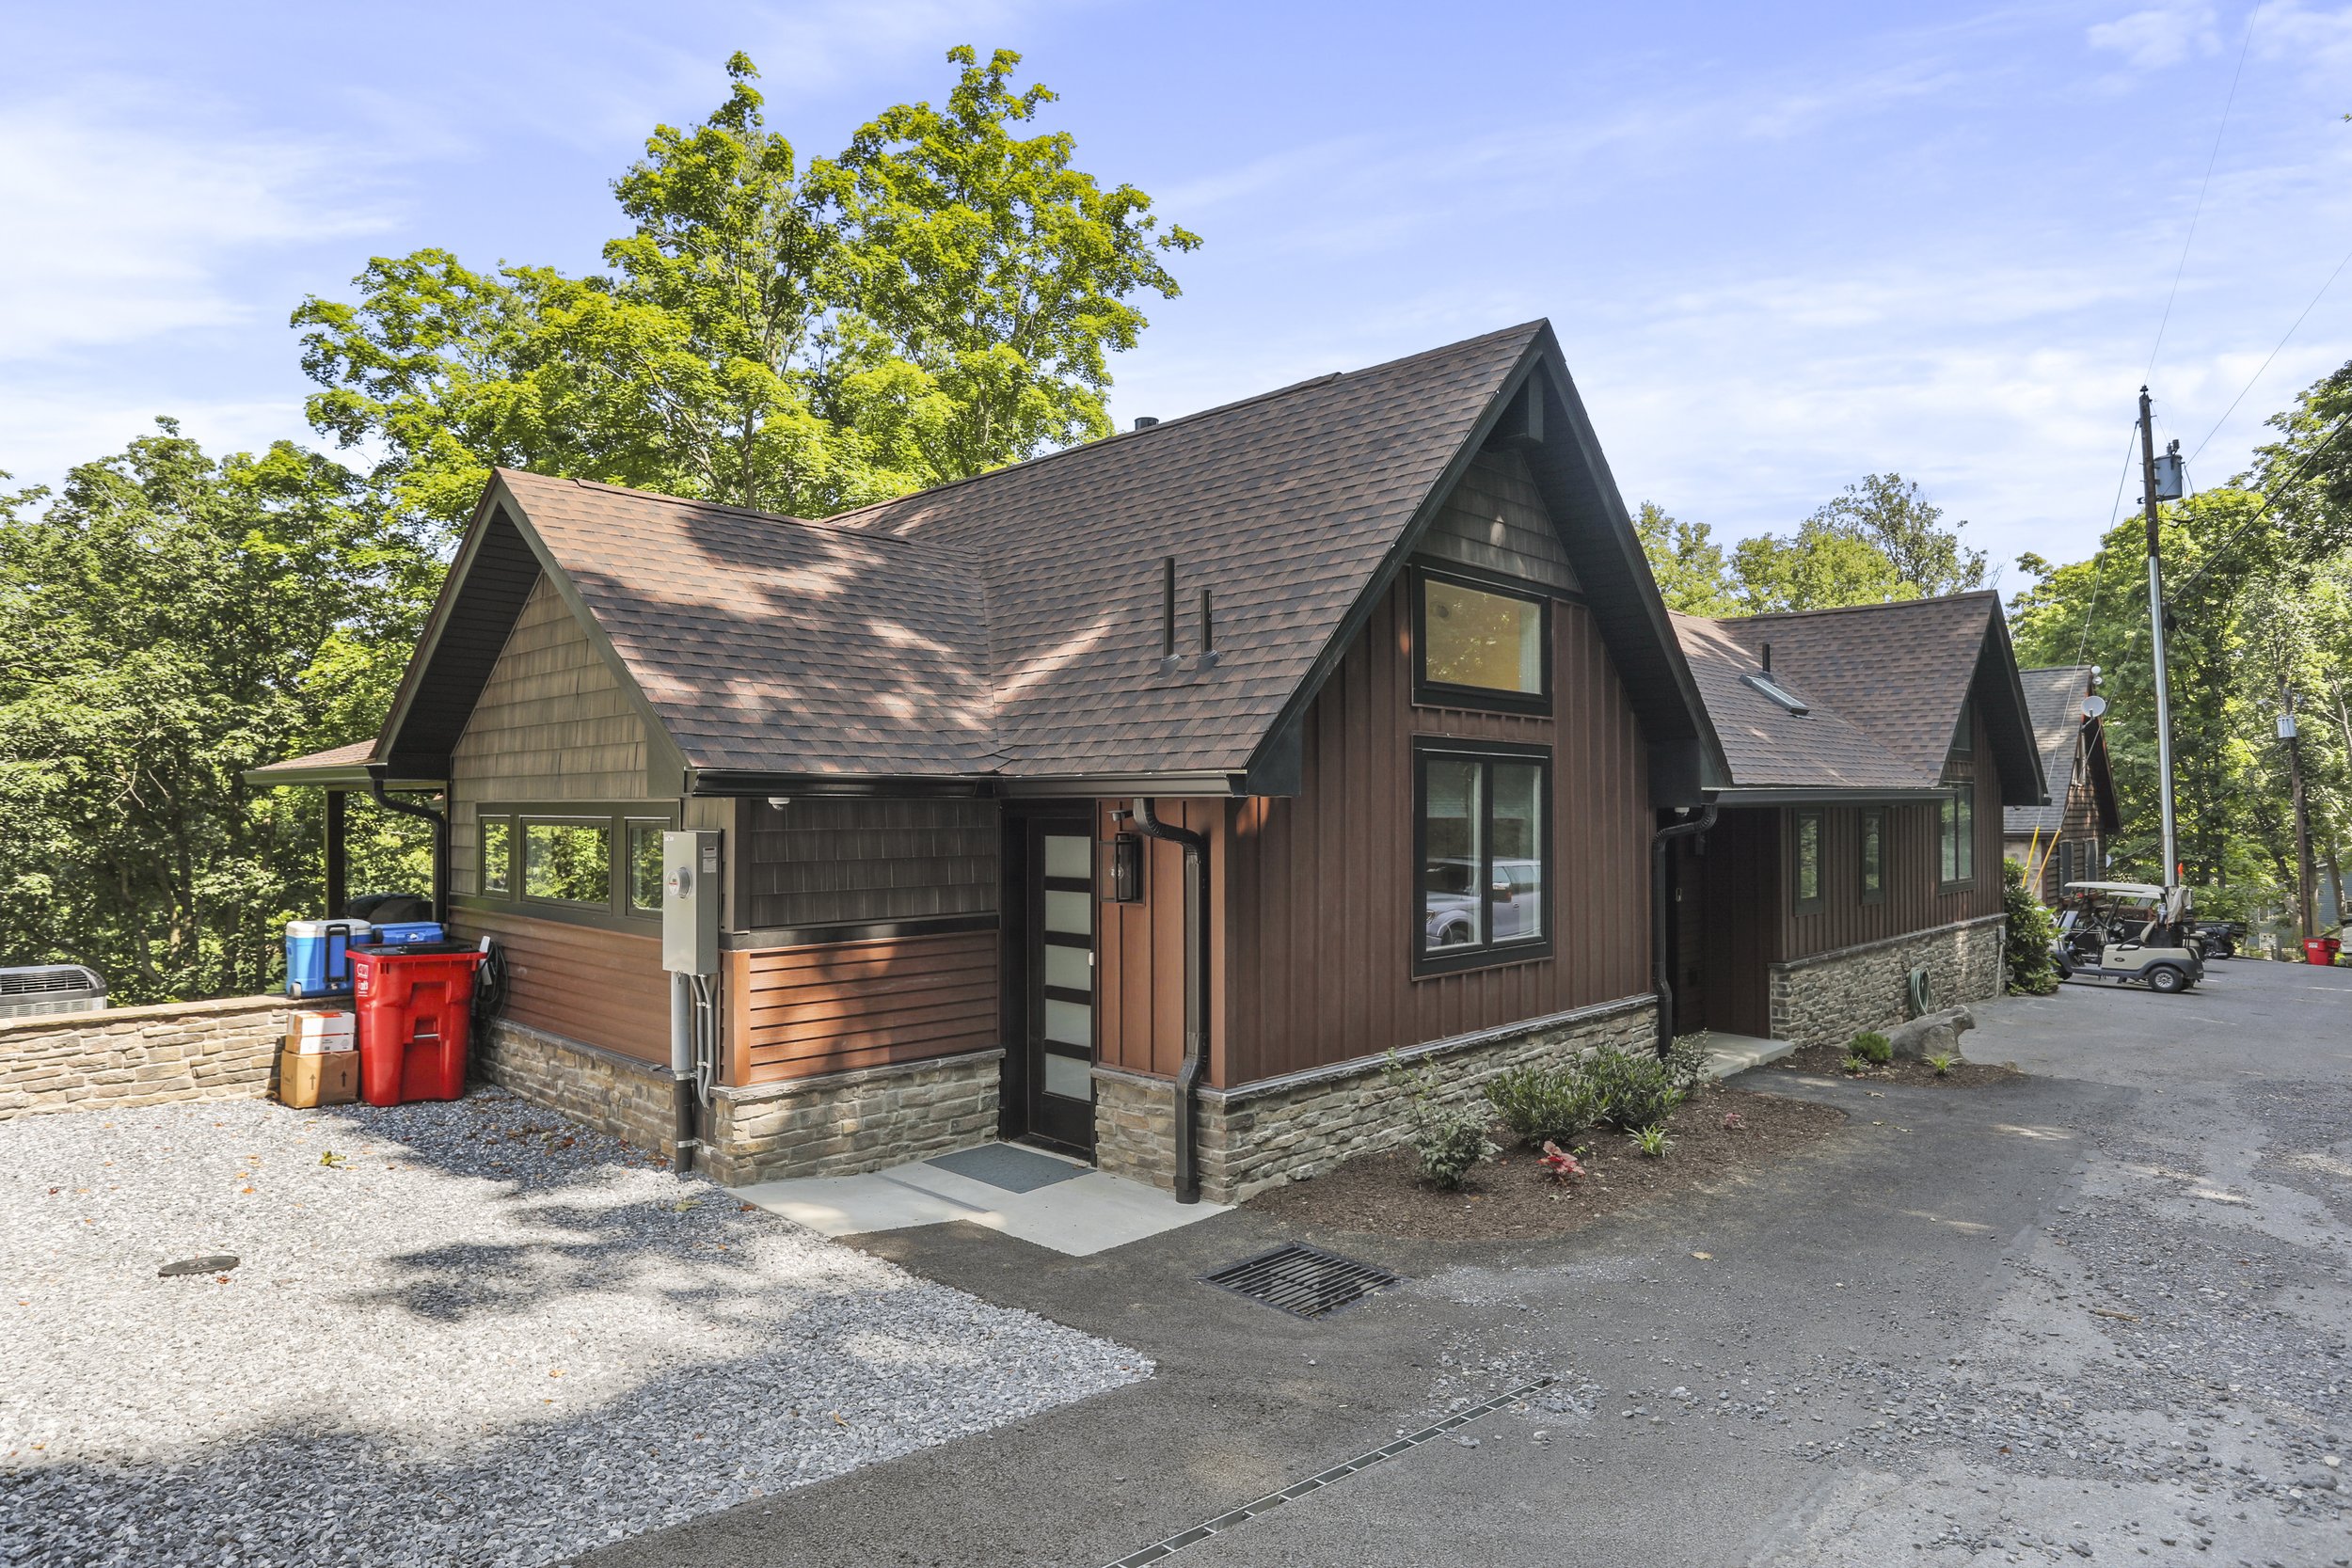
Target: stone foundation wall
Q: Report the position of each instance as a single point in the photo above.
(1261, 1135)
(1831, 997)
(846, 1122)
(632, 1101)
(118, 1057)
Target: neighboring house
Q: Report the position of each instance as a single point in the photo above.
(1138, 800)
(2066, 840)
(1872, 750)
(1378, 654)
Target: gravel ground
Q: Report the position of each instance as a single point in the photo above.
(460, 1333)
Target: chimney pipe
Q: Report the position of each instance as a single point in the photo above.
(1167, 607)
(1208, 631)
(1145, 421)
(1768, 659)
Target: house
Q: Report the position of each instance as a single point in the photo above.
(1138, 800)
(2066, 840)
(1872, 750)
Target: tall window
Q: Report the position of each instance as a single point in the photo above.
(1478, 647)
(1484, 847)
(498, 855)
(1806, 881)
(1956, 835)
(1874, 855)
(644, 866)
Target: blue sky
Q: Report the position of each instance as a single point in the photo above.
(1783, 245)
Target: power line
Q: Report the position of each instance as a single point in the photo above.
(2311, 457)
(2274, 354)
(2199, 211)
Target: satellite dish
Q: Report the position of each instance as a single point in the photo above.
(2094, 707)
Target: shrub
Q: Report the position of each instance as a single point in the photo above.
(2025, 950)
(1449, 1141)
(1651, 1140)
(1871, 1047)
(1854, 1064)
(1630, 1089)
(1686, 1062)
(1542, 1104)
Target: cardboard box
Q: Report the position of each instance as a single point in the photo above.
(305, 1079)
(313, 1032)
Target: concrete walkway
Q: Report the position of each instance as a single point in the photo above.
(2097, 1313)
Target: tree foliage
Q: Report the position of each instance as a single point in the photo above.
(169, 621)
(1879, 539)
(789, 334)
(1688, 566)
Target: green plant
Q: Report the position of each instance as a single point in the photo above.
(1542, 1104)
(2026, 948)
(1651, 1140)
(1449, 1140)
(1854, 1064)
(1630, 1089)
(1686, 1062)
(1871, 1047)
(1943, 1062)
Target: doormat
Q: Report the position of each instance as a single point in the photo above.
(1008, 1167)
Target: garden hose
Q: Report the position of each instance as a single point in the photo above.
(1922, 997)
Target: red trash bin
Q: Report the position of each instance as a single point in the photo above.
(414, 1003)
(2321, 950)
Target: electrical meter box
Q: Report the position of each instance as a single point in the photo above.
(691, 874)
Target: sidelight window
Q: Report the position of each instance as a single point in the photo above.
(1484, 839)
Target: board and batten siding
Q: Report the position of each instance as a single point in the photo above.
(553, 723)
(1314, 927)
(597, 987)
(800, 1012)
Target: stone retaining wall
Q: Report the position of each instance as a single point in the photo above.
(633, 1101)
(845, 1122)
(119, 1057)
(1287, 1128)
(1829, 998)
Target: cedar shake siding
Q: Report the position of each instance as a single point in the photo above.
(1318, 889)
(817, 862)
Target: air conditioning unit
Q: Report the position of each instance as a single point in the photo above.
(38, 989)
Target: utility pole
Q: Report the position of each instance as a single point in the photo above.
(2305, 906)
(2156, 629)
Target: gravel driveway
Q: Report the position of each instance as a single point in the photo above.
(466, 1332)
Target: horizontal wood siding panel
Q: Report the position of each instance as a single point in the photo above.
(602, 988)
(1318, 888)
(801, 1011)
(553, 723)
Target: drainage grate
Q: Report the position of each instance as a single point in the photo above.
(1300, 1280)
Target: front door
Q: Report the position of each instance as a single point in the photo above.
(1058, 985)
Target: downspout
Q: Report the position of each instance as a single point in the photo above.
(1195, 990)
(441, 837)
(1659, 980)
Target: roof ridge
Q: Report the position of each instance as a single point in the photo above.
(1850, 608)
(1197, 415)
(753, 513)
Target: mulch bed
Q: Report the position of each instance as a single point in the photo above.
(1513, 1197)
(1829, 1061)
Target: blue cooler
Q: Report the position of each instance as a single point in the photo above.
(402, 931)
(318, 956)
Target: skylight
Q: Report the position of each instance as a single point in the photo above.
(1778, 693)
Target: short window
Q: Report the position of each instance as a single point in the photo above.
(1956, 836)
(498, 856)
(568, 862)
(644, 866)
(1806, 885)
(1485, 842)
(1481, 645)
(1873, 857)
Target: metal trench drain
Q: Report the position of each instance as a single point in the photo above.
(1304, 1281)
(1317, 1482)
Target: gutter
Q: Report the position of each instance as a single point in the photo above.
(377, 772)
(1661, 981)
(1195, 990)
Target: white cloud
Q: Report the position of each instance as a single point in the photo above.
(2158, 36)
(128, 226)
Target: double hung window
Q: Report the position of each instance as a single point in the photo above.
(1482, 834)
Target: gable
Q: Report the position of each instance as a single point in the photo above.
(1495, 521)
(553, 721)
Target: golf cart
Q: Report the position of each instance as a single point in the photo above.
(2216, 939)
(2127, 932)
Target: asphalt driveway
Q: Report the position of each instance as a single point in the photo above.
(2099, 1311)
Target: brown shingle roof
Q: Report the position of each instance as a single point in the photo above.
(1012, 623)
(1771, 747)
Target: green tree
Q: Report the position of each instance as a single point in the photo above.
(1818, 567)
(1688, 565)
(170, 621)
(1890, 513)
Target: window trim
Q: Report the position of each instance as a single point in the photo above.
(1429, 693)
(615, 816)
(1489, 953)
(1798, 903)
(1958, 796)
(1870, 817)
